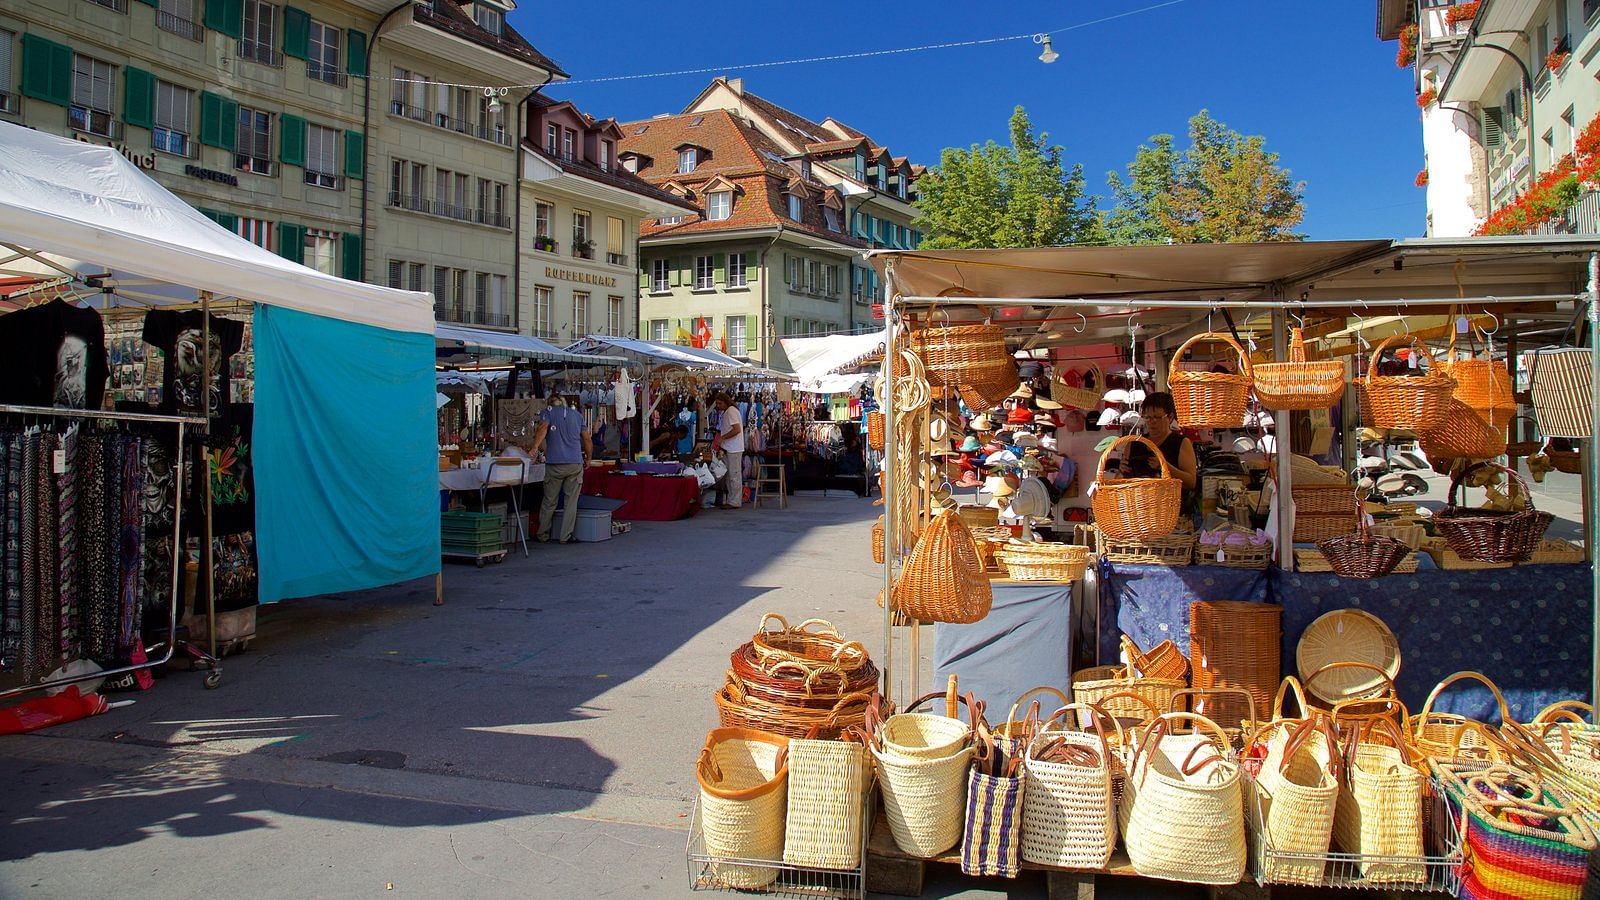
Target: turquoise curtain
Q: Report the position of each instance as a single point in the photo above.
(347, 481)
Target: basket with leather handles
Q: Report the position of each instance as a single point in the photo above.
(1207, 399)
(1492, 535)
(1415, 402)
(1362, 554)
(1299, 384)
(1136, 508)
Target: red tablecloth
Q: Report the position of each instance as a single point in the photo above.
(650, 498)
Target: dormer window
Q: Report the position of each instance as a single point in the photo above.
(688, 158)
(552, 140)
(905, 181)
(569, 144)
(830, 218)
(489, 18)
(719, 205)
(861, 166)
(605, 156)
(795, 212)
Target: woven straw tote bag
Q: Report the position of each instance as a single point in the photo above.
(943, 579)
(828, 782)
(1296, 791)
(1379, 810)
(743, 775)
(1182, 813)
(1069, 818)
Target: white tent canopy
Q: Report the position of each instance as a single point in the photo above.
(521, 346)
(103, 218)
(815, 357)
(658, 353)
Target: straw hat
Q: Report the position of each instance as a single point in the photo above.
(1026, 440)
(1003, 489)
(981, 422)
(1046, 403)
(1048, 420)
(971, 445)
(1024, 393)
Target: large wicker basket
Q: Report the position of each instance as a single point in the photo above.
(1415, 402)
(1234, 644)
(1324, 499)
(1136, 507)
(1210, 399)
(1492, 535)
(1298, 384)
(963, 354)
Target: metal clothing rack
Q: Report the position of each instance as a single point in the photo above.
(172, 644)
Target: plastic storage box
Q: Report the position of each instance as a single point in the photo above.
(593, 525)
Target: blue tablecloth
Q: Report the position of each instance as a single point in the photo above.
(1528, 627)
(1024, 642)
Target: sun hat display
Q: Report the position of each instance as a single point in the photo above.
(1046, 403)
(971, 445)
(1048, 420)
(1003, 489)
(1116, 395)
(1074, 421)
(1003, 458)
(981, 422)
(1048, 442)
(1130, 419)
(993, 447)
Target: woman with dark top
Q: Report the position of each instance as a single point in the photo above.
(1160, 425)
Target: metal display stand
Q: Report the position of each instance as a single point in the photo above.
(171, 645)
(790, 880)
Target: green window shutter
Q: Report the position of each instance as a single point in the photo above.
(355, 154)
(46, 70)
(1492, 130)
(152, 3)
(209, 213)
(750, 267)
(644, 279)
(355, 60)
(719, 265)
(138, 97)
(225, 17)
(752, 338)
(292, 146)
(228, 221)
(291, 242)
(677, 272)
(351, 259)
(219, 119)
(296, 33)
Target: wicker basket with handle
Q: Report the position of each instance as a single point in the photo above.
(943, 579)
(1492, 535)
(1176, 549)
(1164, 660)
(963, 354)
(1298, 384)
(828, 782)
(1324, 499)
(1379, 809)
(1442, 736)
(1123, 695)
(812, 641)
(1043, 561)
(743, 777)
(1182, 812)
(1088, 396)
(1403, 401)
(1069, 818)
(1210, 399)
(1296, 791)
(1136, 507)
(1362, 554)
(1234, 644)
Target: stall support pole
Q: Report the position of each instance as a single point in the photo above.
(1283, 455)
(208, 552)
(1591, 474)
(890, 488)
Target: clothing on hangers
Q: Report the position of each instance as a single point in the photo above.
(53, 354)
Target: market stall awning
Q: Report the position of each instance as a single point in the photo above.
(659, 353)
(464, 340)
(70, 208)
(815, 357)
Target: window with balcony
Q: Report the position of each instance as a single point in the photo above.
(544, 215)
(660, 276)
(489, 18)
(719, 205)
(688, 158)
(582, 245)
(177, 17)
(322, 157)
(409, 94)
(458, 291)
(259, 40)
(92, 83)
(705, 273)
(580, 313)
(738, 340)
(500, 312)
(569, 144)
(616, 241)
(253, 143)
(542, 298)
(492, 121)
(736, 264)
(322, 251)
(408, 185)
(171, 131)
(118, 5)
(441, 294)
(323, 61)
(497, 205)
(8, 96)
(614, 315)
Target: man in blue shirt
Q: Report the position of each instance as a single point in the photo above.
(569, 452)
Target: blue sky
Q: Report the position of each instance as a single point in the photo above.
(1311, 77)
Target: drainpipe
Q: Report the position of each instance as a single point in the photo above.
(516, 212)
(366, 131)
(766, 285)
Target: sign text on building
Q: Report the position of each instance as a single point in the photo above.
(211, 175)
(609, 281)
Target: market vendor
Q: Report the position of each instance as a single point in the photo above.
(1160, 418)
(665, 443)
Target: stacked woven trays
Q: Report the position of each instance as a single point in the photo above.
(797, 678)
(1044, 561)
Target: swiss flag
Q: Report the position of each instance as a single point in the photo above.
(702, 333)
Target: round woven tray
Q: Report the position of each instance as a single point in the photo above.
(1347, 635)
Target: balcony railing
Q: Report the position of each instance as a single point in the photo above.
(1583, 217)
(494, 131)
(94, 121)
(617, 259)
(329, 74)
(118, 5)
(410, 111)
(445, 120)
(178, 25)
(255, 165)
(545, 333)
(259, 51)
(496, 320)
(582, 251)
(413, 202)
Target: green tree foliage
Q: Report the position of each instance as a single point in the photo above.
(1018, 196)
(1225, 188)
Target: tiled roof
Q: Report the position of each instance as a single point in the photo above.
(617, 178)
(738, 153)
(447, 15)
(831, 147)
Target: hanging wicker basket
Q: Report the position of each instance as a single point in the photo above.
(1136, 508)
(1087, 396)
(943, 579)
(1465, 433)
(1298, 384)
(1492, 535)
(1416, 402)
(1211, 399)
(1363, 554)
(875, 430)
(963, 354)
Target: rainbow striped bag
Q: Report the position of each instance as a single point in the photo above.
(1523, 840)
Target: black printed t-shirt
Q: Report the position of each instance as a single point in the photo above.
(53, 354)
(178, 336)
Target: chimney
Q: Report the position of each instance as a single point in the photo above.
(736, 85)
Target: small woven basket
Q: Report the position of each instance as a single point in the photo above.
(1136, 507)
(1464, 433)
(1491, 535)
(1315, 529)
(1401, 401)
(1363, 554)
(1233, 556)
(1210, 399)
(1441, 736)
(1324, 499)
(1044, 561)
(1122, 696)
(1164, 660)
(814, 641)
(1085, 397)
(1176, 549)
(875, 430)
(1298, 384)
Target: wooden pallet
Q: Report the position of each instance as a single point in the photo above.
(891, 870)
